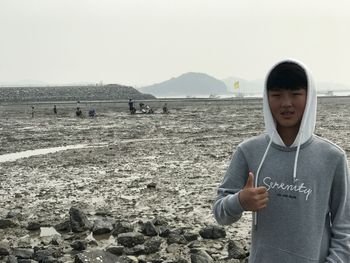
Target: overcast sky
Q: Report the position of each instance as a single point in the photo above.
(140, 42)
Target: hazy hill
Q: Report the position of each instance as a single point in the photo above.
(188, 84)
(70, 93)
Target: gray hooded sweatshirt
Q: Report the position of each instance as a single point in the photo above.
(307, 218)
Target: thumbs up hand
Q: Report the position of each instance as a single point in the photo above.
(253, 198)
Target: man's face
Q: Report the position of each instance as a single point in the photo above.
(287, 107)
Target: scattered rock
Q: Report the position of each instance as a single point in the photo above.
(136, 250)
(4, 249)
(122, 227)
(201, 256)
(130, 239)
(23, 253)
(116, 250)
(148, 229)
(64, 226)
(79, 245)
(164, 231)
(152, 245)
(78, 220)
(152, 185)
(235, 251)
(12, 259)
(7, 223)
(191, 236)
(176, 238)
(212, 232)
(102, 227)
(160, 221)
(46, 254)
(33, 226)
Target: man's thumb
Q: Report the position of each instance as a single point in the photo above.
(250, 181)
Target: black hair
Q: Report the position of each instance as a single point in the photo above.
(287, 76)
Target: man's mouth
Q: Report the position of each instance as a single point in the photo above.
(287, 113)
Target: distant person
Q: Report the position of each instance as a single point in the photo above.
(33, 111)
(78, 112)
(142, 105)
(55, 110)
(165, 109)
(92, 113)
(296, 183)
(132, 109)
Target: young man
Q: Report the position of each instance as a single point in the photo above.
(296, 183)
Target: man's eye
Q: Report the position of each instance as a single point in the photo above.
(297, 93)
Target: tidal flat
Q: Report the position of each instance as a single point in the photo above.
(131, 168)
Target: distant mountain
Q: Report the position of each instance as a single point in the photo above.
(188, 84)
(71, 93)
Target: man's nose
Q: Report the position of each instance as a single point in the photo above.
(286, 101)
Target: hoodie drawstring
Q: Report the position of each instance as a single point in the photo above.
(296, 157)
(255, 214)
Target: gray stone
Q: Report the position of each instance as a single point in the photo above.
(96, 256)
(79, 245)
(64, 226)
(78, 220)
(160, 221)
(23, 253)
(12, 259)
(122, 227)
(235, 251)
(173, 248)
(4, 249)
(136, 250)
(116, 250)
(33, 226)
(7, 223)
(176, 238)
(148, 229)
(201, 256)
(212, 232)
(102, 227)
(152, 245)
(130, 239)
(191, 236)
(45, 254)
(164, 231)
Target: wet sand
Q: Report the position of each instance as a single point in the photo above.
(184, 154)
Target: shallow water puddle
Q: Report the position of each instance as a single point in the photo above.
(10, 157)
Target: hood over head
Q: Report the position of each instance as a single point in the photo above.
(308, 122)
(307, 125)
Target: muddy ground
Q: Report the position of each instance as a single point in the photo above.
(183, 154)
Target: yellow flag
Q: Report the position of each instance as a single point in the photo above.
(236, 85)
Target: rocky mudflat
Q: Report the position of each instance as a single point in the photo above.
(129, 188)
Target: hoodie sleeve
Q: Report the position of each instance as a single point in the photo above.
(339, 249)
(227, 208)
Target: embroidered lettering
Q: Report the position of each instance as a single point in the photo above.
(300, 188)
